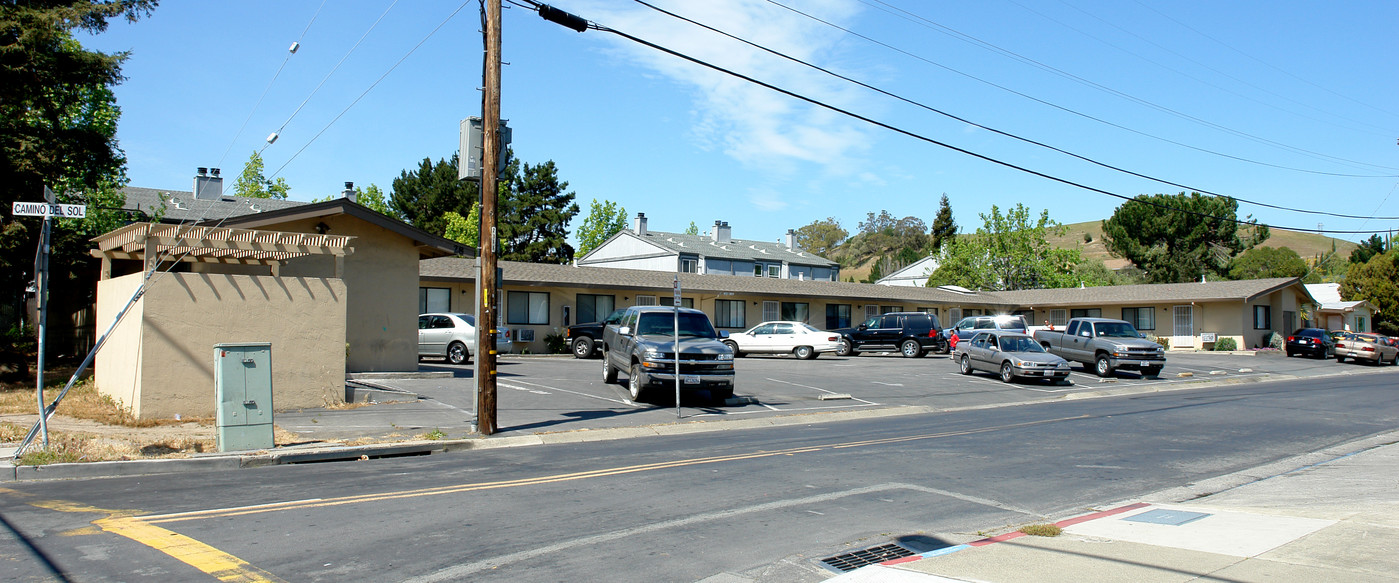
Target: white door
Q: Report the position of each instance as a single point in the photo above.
(1184, 326)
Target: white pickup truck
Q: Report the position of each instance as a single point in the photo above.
(1106, 345)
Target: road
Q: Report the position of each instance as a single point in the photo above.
(765, 504)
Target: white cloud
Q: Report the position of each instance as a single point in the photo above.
(752, 124)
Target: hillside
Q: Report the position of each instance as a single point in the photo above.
(1308, 245)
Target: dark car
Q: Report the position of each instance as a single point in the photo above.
(913, 334)
(1314, 342)
(585, 340)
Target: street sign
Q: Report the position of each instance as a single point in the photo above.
(40, 209)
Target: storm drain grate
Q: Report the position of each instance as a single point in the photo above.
(871, 556)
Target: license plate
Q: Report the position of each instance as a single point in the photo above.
(1146, 363)
(690, 379)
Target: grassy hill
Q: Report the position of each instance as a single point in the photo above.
(1308, 245)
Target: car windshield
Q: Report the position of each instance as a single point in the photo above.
(1116, 330)
(660, 323)
(1020, 344)
(808, 327)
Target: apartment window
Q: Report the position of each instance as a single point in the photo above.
(1086, 313)
(728, 314)
(871, 311)
(685, 302)
(1140, 318)
(527, 307)
(837, 316)
(933, 311)
(594, 307)
(757, 270)
(774, 271)
(887, 309)
(434, 299)
(771, 311)
(646, 300)
(1262, 318)
(688, 265)
(796, 311)
(1057, 317)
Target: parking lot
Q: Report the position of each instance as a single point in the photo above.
(539, 394)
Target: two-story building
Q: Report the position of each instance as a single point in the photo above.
(716, 253)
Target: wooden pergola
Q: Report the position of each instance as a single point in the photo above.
(154, 243)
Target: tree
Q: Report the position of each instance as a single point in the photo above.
(1009, 252)
(693, 229)
(1180, 238)
(58, 121)
(423, 197)
(465, 230)
(876, 273)
(1367, 249)
(373, 198)
(534, 215)
(821, 237)
(251, 183)
(944, 228)
(604, 220)
(1266, 262)
(1377, 281)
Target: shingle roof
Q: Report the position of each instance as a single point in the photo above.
(540, 274)
(180, 205)
(1159, 292)
(735, 249)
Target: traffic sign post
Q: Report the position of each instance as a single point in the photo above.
(47, 209)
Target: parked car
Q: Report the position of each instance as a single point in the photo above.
(799, 339)
(453, 336)
(1363, 346)
(1106, 345)
(1012, 355)
(913, 334)
(967, 327)
(585, 340)
(643, 345)
(1314, 342)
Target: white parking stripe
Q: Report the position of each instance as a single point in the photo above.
(626, 402)
(828, 392)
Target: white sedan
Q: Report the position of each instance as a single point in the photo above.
(453, 336)
(798, 338)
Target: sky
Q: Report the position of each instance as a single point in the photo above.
(1290, 104)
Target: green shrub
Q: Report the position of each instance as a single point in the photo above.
(1275, 341)
(1226, 344)
(1164, 341)
(555, 343)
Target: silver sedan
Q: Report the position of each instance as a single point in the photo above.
(453, 336)
(1012, 355)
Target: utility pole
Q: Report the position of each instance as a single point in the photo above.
(490, 167)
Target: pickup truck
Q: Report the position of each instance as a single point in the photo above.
(1106, 345)
(642, 343)
(585, 340)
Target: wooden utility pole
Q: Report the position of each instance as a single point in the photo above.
(490, 167)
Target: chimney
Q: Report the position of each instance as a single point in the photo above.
(349, 192)
(791, 239)
(720, 233)
(207, 184)
(641, 224)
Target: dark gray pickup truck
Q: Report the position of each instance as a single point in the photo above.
(643, 345)
(1106, 345)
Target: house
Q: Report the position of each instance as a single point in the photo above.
(914, 274)
(1334, 314)
(717, 253)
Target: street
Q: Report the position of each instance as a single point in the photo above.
(765, 504)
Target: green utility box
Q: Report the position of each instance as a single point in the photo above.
(243, 384)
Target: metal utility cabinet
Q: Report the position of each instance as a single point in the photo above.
(243, 385)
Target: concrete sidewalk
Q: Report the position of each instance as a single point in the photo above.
(1328, 516)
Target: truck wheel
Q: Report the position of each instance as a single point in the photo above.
(1103, 366)
(609, 372)
(634, 382)
(804, 352)
(583, 347)
(734, 347)
(1151, 372)
(965, 364)
(846, 348)
(1007, 375)
(457, 353)
(911, 349)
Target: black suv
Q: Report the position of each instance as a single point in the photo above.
(913, 334)
(1312, 341)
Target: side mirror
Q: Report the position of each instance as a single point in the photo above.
(723, 333)
(862, 327)
(624, 330)
(1141, 335)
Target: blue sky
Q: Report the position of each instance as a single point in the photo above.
(1264, 101)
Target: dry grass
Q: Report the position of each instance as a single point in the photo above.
(1042, 530)
(67, 447)
(82, 402)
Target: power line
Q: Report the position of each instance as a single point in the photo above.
(920, 137)
(1070, 110)
(1042, 66)
(994, 130)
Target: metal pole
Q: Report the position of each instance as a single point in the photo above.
(675, 309)
(490, 164)
(41, 273)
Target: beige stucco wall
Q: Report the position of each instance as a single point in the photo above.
(170, 357)
(117, 370)
(381, 276)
